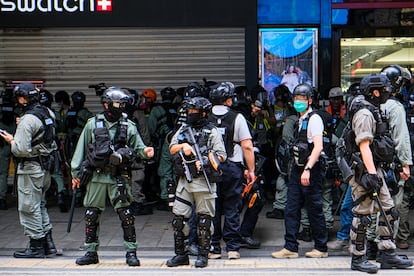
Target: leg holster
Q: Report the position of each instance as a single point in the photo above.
(204, 234)
(128, 220)
(364, 222)
(178, 223)
(91, 224)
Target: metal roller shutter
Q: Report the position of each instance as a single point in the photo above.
(72, 58)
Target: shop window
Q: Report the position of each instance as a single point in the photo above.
(363, 56)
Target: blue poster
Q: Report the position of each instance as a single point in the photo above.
(288, 57)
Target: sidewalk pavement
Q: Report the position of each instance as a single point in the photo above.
(155, 241)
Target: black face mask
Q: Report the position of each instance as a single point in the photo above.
(194, 118)
(383, 97)
(113, 114)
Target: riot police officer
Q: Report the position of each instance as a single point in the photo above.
(195, 187)
(8, 123)
(373, 147)
(105, 150)
(161, 122)
(33, 144)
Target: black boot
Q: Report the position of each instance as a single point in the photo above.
(35, 250)
(372, 250)
(204, 239)
(178, 260)
(389, 259)
(49, 245)
(138, 209)
(202, 261)
(131, 259)
(3, 204)
(181, 257)
(61, 202)
(89, 258)
(361, 263)
(305, 235)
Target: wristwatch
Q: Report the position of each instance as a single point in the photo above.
(307, 168)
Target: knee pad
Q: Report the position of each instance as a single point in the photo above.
(204, 222)
(91, 223)
(178, 223)
(127, 219)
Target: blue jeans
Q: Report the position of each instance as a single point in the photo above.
(346, 215)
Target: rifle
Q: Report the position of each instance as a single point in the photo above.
(85, 175)
(193, 142)
(343, 166)
(382, 212)
(187, 172)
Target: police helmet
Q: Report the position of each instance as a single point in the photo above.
(150, 94)
(354, 89)
(304, 90)
(221, 93)
(168, 93)
(28, 91)
(193, 90)
(78, 97)
(46, 98)
(375, 81)
(397, 75)
(115, 95)
(199, 103)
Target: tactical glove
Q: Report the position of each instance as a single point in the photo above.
(371, 182)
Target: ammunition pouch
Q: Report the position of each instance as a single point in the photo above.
(84, 174)
(51, 162)
(179, 167)
(301, 153)
(382, 148)
(99, 152)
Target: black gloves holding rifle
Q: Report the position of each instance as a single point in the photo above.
(371, 183)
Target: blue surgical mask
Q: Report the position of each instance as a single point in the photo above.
(300, 106)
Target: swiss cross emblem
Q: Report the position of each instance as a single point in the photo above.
(104, 5)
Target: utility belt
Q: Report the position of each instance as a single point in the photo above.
(47, 162)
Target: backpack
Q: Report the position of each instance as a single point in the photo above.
(225, 125)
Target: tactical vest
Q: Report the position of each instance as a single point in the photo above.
(201, 136)
(302, 149)
(225, 125)
(100, 150)
(382, 146)
(46, 133)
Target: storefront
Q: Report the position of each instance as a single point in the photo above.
(136, 44)
(374, 36)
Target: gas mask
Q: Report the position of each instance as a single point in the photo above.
(114, 113)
